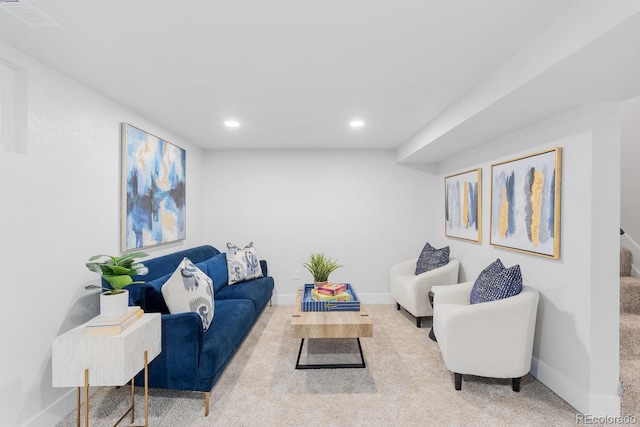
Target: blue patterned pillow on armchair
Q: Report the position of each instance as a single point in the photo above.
(431, 258)
(496, 282)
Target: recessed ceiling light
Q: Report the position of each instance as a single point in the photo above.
(231, 123)
(356, 123)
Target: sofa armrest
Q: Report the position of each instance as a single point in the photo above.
(184, 329)
(176, 366)
(458, 294)
(442, 276)
(404, 268)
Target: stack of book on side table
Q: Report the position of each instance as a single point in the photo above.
(331, 292)
(109, 325)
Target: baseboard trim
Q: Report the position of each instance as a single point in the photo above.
(581, 400)
(58, 410)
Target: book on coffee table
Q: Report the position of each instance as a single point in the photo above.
(332, 289)
(316, 295)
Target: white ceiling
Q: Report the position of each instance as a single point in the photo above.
(293, 72)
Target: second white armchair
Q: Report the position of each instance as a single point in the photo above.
(410, 290)
(490, 339)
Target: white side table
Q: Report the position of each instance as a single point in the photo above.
(81, 360)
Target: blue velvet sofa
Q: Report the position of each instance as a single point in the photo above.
(192, 359)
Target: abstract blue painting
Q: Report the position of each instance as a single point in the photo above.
(463, 205)
(525, 204)
(153, 190)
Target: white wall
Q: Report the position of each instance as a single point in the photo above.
(358, 206)
(60, 205)
(576, 344)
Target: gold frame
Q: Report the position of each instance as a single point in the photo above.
(153, 144)
(448, 232)
(508, 224)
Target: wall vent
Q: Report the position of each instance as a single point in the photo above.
(28, 13)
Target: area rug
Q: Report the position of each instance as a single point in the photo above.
(405, 383)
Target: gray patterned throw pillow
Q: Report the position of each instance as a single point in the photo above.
(189, 289)
(496, 282)
(431, 258)
(242, 263)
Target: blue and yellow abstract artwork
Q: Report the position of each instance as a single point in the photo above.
(525, 204)
(463, 205)
(153, 189)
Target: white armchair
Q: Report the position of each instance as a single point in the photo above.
(491, 339)
(410, 290)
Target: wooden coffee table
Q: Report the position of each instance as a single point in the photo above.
(329, 324)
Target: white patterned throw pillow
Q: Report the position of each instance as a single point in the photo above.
(189, 289)
(242, 263)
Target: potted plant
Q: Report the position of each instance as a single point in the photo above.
(320, 266)
(117, 272)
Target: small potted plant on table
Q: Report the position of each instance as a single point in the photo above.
(320, 266)
(117, 272)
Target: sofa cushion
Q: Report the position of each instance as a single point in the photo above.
(242, 263)
(234, 319)
(257, 290)
(165, 265)
(190, 289)
(151, 300)
(496, 282)
(431, 258)
(216, 268)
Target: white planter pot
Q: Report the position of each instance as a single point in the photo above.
(114, 305)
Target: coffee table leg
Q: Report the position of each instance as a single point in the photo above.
(299, 353)
(331, 365)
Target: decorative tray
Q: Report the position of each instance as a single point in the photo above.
(309, 305)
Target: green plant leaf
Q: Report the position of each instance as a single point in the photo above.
(89, 287)
(139, 269)
(132, 256)
(117, 271)
(114, 291)
(95, 257)
(118, 282)
(93, 266)
(113, 270)
(321, 266)
(126, 263)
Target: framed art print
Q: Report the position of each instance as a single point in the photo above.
(525, 203)
(153, 190)
(463, 205)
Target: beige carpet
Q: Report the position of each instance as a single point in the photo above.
(629, 335)
(405, 384)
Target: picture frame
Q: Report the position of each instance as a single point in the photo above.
(463, 205)
(525, 203)
(153, 179)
